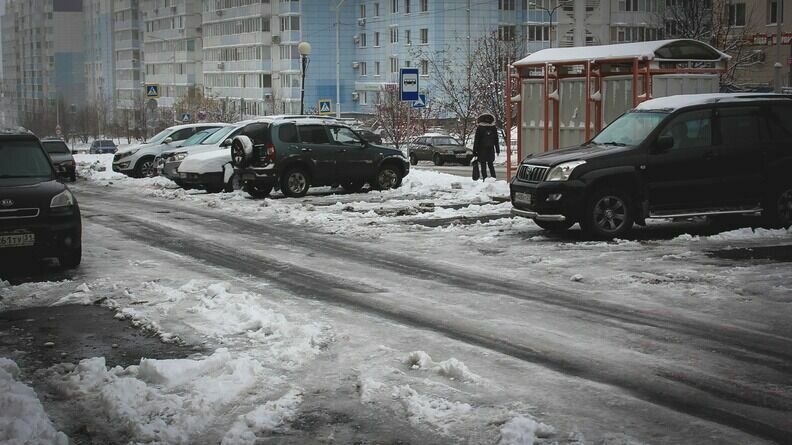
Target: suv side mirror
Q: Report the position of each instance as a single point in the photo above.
(168, 140)
(663, 144)
(227, 143)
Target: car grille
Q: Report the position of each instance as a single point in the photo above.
(118, 157)
(532, 173)
(19, 213)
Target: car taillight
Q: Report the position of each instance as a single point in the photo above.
(271, 153)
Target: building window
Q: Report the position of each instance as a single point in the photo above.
(506, 33)
(737, 14)
(290, 23)
(363, 98)
(377, 71)
(394, 35)
(394, 64)
(623, 34)
(507, 5)
(773, 12)
(406, 6)
(394, 6)
(362, 11)
(407, 38)
(641, 5)
(363, 69)
(376, 10)
(538, 33)
(424, 36)
(363, 40)
(424, 67)
(424, 5)
(376, 39)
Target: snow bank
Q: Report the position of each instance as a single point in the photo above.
(22, 417)
(272, 416)
(438, 412)
(745, 233)
(524, 431)
(451, 368)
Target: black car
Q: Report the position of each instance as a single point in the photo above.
(61, 157)
(39, 216)
(296, 154)
(674, 157)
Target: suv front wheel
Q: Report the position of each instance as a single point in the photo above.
(145, 168)
(609, 214)
(295, 183)
(389, 177)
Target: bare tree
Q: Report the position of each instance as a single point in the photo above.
(396, 118)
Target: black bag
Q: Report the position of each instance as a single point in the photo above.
(476, 172)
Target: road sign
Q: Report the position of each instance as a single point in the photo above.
(408, 83)
(185, 117)
(152, 91)
(421, 102)
(325, 106)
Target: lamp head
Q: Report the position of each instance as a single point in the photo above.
(304, 48)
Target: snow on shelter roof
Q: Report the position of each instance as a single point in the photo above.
(671, 103)
(677, 49)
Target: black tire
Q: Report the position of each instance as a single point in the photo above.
(352, 186)
(239, 158)
(73, 178)
(256, 189)
(295, 183)
(232, 184)
(438, 161)
(778, 209)
(413, 159)
(609, 214)
(71, 259)
(388, 177)
(214, 188)
(555, 226)
(145, 168)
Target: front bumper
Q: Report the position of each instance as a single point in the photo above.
(200, 180)
(169, 170)
(55, 236)
(451, 158)
(549, 201)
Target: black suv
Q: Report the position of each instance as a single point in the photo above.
(296, 154)
(673, 157)
(39, 216)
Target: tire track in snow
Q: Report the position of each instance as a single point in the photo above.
(677, 393)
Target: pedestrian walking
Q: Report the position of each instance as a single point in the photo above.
(485, 144)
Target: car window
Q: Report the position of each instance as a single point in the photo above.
(182, 134)
(781, 122)
(56, 147)
(159, 137)
(23, 159)
(345, 136)
(313, 134)
(446, 141)
(630, 129)
(739, 126)
(288, 133)
(219, 135)
(690, 130)
(107, 143)
(258, 133)
(198, 137)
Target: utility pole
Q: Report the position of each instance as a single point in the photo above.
(338, 58)
(779, 16)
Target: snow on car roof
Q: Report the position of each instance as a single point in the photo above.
(642, 50)
(688, 100)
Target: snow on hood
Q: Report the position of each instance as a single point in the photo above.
(206, 162)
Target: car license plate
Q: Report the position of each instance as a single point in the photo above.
(23, 239)
(462, 156)
(524, 198)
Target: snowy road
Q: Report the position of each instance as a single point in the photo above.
(408, 320)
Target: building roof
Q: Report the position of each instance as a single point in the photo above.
(671, 103)
(678, 49)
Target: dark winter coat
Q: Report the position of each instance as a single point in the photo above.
(485, 143)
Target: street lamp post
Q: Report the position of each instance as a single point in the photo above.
(305, 50)
(338, 59)
(550, 13)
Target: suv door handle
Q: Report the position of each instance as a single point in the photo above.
(343, 150)
(305, 149)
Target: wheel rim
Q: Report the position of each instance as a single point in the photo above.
(297, 182)
(147, 169)
(387, 178)
(784, 206)
(239, 157)
(610, 213)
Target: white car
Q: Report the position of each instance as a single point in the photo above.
(209, 170)
(138, 160)
(207, 140)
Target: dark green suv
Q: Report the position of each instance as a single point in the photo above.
(296, 154)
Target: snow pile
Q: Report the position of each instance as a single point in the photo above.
(169, 401)
(98, 167)
(451, 368)
(22, 418)
(272, 416)
(745, 233)
(440, 413)
(45, 293)
(524, 431)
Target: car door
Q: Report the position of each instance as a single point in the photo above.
(316, 145)
(741, 137)
(682, 177)
(417, 147)
(357, 162)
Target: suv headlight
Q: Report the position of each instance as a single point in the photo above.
(561, 172)
(177, 156)
(62, 199)
(129, 153)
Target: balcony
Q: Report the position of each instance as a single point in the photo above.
(289, 65)
(288, 7)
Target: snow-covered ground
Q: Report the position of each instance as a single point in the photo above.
(428, 274)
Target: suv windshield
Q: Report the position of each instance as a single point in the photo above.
(218, 135)
(23, 159)
(105, 143)
(630, 129)
(159, 137)
(55, 147)
(444, 141)
(198, 137)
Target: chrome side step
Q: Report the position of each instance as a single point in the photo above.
(705, 213)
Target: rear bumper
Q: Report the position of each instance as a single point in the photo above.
(454, 158)
(268, 176)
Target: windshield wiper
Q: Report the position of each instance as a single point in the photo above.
(617, 144)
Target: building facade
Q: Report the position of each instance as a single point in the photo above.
(99, 56)
(127, 62)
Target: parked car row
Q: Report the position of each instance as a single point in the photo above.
(289, 153)
(710, 155)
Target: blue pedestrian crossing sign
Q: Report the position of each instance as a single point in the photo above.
(421, 102)
(325, 106)
(186, 117)
(152, 91)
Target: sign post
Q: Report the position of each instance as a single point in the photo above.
(408, 83)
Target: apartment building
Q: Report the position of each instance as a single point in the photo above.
(757, 22)
(127, 62)
(43, 56)
(99, 67)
